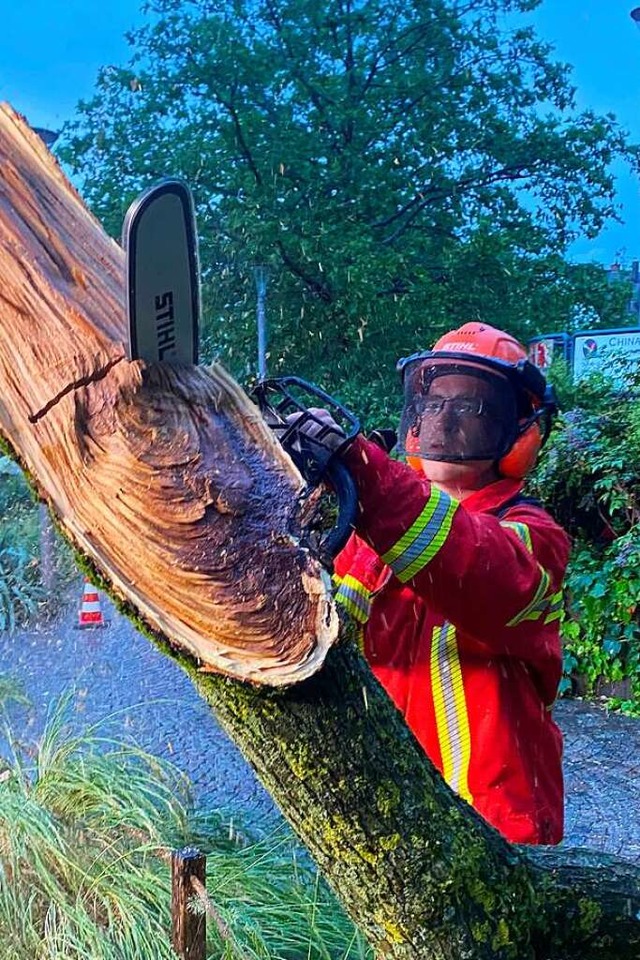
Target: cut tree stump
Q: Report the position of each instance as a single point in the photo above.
(165, 477)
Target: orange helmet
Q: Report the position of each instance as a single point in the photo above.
(481, 350)
(481, 341)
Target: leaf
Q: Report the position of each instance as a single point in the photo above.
(612, 647)
(598, 589)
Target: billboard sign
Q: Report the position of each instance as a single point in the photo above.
(611, 352)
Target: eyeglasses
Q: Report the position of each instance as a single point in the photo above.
(459, 406)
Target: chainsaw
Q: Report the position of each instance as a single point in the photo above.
(287, 403)
(163, 311)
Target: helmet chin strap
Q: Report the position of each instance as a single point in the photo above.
(541, 416)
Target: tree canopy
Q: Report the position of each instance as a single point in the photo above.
(399, 167)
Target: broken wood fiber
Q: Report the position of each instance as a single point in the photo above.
(165, 477)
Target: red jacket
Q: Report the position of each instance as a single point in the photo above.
(460, 606)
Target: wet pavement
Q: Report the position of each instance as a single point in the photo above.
(602, 778)
(120, 681)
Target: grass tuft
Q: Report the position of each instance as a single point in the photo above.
(87, 826)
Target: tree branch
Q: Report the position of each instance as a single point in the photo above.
(319, 289)
(318, 97)
(242, 143)
(412, 208)
(181, 501)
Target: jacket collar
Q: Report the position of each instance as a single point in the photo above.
(492, 496)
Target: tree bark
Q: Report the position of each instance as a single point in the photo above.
(117, 449)
(417, 869)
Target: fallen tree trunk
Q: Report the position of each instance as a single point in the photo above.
(166, 477)
(167, 481)
(421, 874)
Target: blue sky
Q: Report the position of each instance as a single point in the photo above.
(50, 53)
(602, 43)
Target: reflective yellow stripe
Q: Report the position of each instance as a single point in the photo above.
(355, 598)
(421, 542)
(450, 705)
(414, 530)
(522, 531)
(542, 603)
(538, 605)
(556, 607)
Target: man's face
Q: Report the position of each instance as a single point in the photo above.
(457, 424)
(459, 417)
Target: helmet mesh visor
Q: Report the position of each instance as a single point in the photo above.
(456, 412)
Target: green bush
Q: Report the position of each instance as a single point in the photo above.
(22, 592)
(602, 636)
(14, 490)
(589, 480)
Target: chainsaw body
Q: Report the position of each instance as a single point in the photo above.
(286, 404)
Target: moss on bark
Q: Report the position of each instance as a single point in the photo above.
(420, 873)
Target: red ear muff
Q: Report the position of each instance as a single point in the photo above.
(521, 458)
(412, 446)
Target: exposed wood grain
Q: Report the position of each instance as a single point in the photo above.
(165, 476)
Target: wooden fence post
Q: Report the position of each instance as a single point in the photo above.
(188, 929)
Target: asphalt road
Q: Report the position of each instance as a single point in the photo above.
(117, 677)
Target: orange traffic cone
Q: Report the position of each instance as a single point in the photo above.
(90, 614)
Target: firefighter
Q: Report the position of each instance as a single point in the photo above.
(456, 577)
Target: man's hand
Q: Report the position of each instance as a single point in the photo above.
(319, 427)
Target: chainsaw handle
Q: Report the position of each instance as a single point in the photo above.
(339, 477)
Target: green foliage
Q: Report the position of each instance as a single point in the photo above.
(590, 481)
(590, 474)
(15, 494)
(20, 588)
(86, 829)
(11, 693)
(602, 638)
(19, 523)
(22, 593)
(399, 167)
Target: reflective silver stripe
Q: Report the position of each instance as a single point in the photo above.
(450, 707)
(355, 598)
(421, 542)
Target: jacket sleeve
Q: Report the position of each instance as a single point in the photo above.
(496, 579)
(344, 560)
